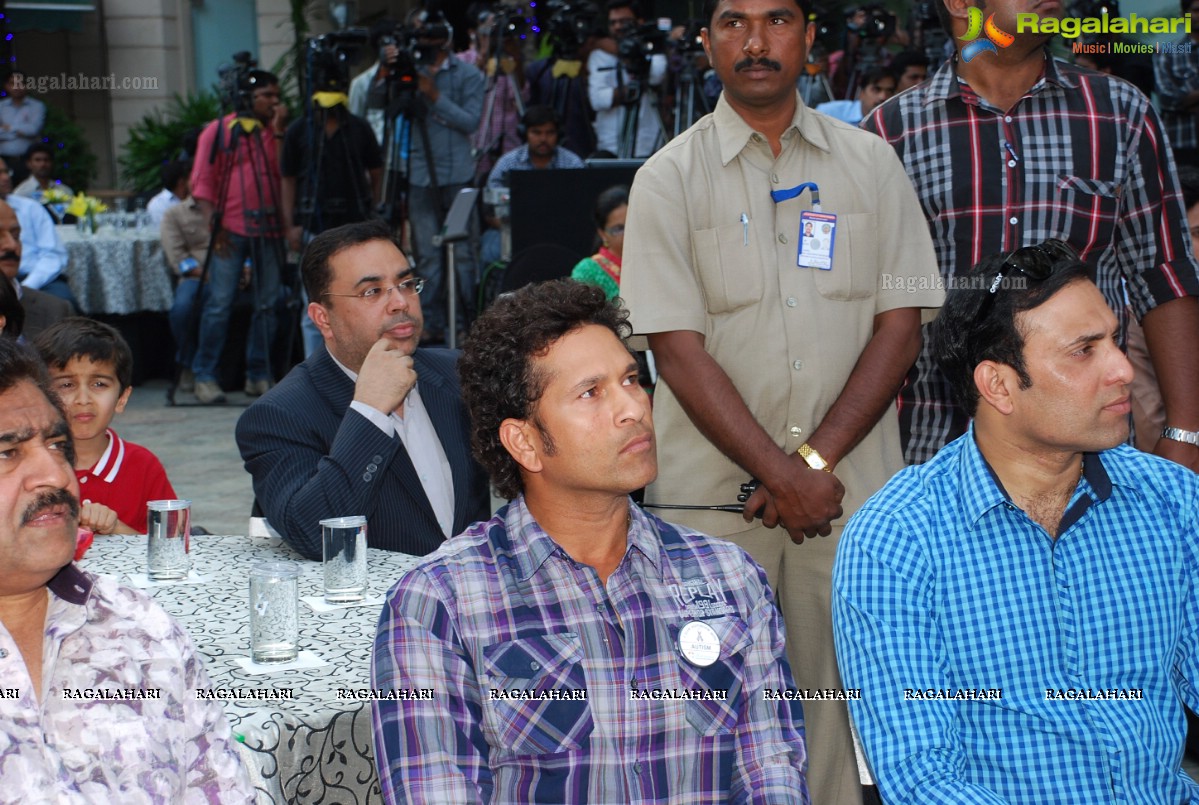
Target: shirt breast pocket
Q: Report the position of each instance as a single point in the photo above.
(724, 678)
(521, 672)
(854, 274)
(730, 270)
(1095, 204)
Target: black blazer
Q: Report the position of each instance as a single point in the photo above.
(311, 457)
(41, 310)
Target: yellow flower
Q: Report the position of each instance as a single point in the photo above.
(83, 205)
(56, 195)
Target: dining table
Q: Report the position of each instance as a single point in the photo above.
(117, 272)
(304, 727)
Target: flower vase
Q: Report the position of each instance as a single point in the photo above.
(91, 222)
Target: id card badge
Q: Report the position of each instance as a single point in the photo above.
(817, 234)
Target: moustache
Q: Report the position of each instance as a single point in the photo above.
(46, 500)
(752, 62)
(9, 256)
(402, 318)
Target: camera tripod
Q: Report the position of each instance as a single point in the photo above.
(263, 231)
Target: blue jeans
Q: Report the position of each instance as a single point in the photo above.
(425, 221)
(180, 316)
(223, 276)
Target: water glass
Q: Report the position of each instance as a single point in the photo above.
(168, 534)
(274, 612)
(344, 550)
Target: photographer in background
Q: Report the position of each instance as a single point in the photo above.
(368, 95)
(869, 29)
(619, 87)
(444, 114)
(331, 163)
(558, 80)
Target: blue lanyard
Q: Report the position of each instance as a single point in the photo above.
(795, 192)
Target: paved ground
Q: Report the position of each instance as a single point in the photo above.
(196, 446)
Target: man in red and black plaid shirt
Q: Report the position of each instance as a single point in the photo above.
(1010, 148)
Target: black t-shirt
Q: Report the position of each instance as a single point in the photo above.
(339, 164)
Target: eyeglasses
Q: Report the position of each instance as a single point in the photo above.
(1034, 262)
(615, 231)
(376, 294)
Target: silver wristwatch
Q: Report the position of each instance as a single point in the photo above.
(1180, 435)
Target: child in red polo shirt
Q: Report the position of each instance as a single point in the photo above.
(91, 369)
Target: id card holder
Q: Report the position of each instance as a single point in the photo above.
(817, 236)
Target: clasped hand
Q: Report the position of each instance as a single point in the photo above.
(803, 500)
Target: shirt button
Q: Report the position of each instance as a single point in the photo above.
(782, 238)
(774, 177)
(757, 138)
(1013, 220)
(798, 364)
(792, 301)
(372, 467)
(1011, 163)
(83, 480)
(1007, 119)
(796, 431)
(366, 476)
(637, 767)
(536, 666)
(3, 653)
(377, 460)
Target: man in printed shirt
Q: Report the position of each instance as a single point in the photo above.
(574, 648)
(1021, 613)
(97, 683)
(1007, 146)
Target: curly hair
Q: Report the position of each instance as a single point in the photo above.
(500, 379)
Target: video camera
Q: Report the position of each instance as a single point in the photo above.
(570, 25)
(870, 21)
(635, 50)
(233, 82)
(329, 58)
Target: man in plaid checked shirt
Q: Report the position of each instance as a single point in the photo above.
(574, 648)
(1012, 147)
(1021, 613)
(1176, 79)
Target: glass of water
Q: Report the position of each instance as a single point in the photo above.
(274, 612)
(168, 531)
(344, 550)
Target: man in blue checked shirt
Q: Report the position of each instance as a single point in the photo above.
(576, 648)
(1021, 613)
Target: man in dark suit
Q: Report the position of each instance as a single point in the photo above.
(41, 309)
(351, 430)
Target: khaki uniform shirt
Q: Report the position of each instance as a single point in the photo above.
(788, 337)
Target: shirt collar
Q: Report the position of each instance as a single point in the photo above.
(734, 134)
(981, 489)
(112, 460)
(946, 83)
(71, 585)
(531, 546)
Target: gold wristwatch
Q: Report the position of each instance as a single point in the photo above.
(812, 458)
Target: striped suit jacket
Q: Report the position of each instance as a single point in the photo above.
(311, 456)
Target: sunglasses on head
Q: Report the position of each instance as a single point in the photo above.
(1034, 262)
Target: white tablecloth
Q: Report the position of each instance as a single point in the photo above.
(316, 748)
(117, 273)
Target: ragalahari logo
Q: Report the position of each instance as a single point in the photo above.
(976, 27)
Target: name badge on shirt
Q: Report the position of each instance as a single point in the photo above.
(817, 233)
(699, 643)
